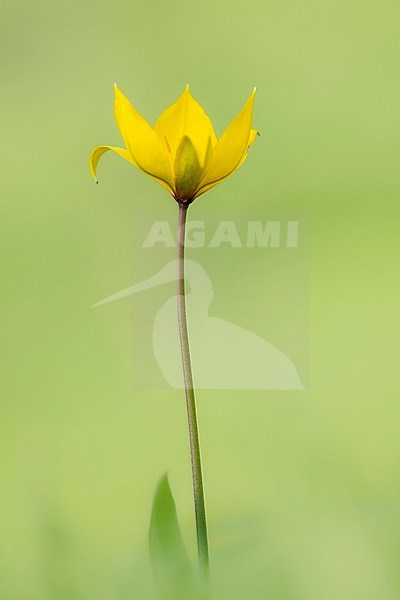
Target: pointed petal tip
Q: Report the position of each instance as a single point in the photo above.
(117, 91)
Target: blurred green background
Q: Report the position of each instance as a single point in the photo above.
(302, 488)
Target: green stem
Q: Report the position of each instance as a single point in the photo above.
(199, 504)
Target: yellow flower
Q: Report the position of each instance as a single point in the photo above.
(181, 151)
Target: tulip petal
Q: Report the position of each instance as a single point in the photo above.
(253, 134)
(147, 149)
(204, 188)
(187, 170)
(98, 153)
(231, 148)
(186, 117)
(100, 150)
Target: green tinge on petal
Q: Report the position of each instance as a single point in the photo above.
(187, 169)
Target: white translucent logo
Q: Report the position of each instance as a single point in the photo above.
(258, 234)
(225, 355)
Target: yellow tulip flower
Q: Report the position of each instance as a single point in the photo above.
(181, 151)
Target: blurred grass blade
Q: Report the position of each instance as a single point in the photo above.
(170, 562)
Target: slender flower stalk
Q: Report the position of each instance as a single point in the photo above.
(183, 154)
(197, 476)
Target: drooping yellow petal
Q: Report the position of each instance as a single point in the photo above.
(186, 117)
(146, 148)
(231, 148)
(98, 152)
(188, 170)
